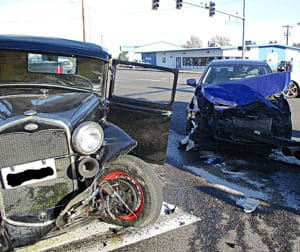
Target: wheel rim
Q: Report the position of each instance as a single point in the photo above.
(292, 91)
(131, 192)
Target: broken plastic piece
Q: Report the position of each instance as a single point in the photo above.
(187, 144)
(190, 145)
(248, 204)
(185, 140)
(168, 208)
(212, 159)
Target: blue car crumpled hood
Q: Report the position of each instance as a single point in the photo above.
(245, 91)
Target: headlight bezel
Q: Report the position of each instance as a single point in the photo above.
(79, 143)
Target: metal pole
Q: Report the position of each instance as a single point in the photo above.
(243, 36)
(287, 33)
(222, 12)
(83, 21)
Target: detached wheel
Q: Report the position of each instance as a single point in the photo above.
(131, 191)
(292, 91)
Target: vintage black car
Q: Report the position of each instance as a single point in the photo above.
(71, 146)
(239, 105)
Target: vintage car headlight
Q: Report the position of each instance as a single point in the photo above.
(88, 138)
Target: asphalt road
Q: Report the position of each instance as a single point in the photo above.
(210, 192)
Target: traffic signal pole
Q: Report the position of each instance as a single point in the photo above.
(231, 15)
(212, 11)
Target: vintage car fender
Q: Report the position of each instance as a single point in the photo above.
(116, 142)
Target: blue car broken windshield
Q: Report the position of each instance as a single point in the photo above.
(245, 91)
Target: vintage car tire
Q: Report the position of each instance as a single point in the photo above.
(133, 174)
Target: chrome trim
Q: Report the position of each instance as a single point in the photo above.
(31, 127)
(30, 112)
(76, 132)
(24, 224)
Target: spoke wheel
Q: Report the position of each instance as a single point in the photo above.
(131, 193)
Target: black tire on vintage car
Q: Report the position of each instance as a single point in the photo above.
(137, 185)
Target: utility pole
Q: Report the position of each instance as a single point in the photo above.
(83, 20)
(243, 36)
(287, 33)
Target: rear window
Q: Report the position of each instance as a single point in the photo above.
(47, 63)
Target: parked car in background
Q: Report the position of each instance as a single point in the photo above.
(284, 66)
(63, 163)
(239, 103)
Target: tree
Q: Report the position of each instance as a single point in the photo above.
(194, 42)
(272, 42)
(296, 44)
(220, 41)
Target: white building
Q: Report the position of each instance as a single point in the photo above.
(168, 55)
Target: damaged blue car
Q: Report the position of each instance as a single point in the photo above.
(239, 104)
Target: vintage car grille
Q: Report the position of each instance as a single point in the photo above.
(19, 148)
(26, 187)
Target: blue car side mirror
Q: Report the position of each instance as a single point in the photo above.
(191, 82)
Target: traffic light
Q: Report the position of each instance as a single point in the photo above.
(178, 4)
(155, 4)
(212, 9)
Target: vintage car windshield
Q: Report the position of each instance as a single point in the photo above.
(223, 73)
(19, 67)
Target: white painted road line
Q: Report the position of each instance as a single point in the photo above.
(110, 237)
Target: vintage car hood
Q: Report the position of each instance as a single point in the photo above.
(245, 91)
(71, 106)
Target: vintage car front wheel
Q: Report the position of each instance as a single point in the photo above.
(131, 192)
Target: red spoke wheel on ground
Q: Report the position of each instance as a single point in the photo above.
(137, 192)
(130, 191)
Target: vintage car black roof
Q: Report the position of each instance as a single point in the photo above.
(53, 45)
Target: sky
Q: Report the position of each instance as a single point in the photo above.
(115, 23)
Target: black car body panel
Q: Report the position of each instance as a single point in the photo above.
(144, 120)
(68, 105)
